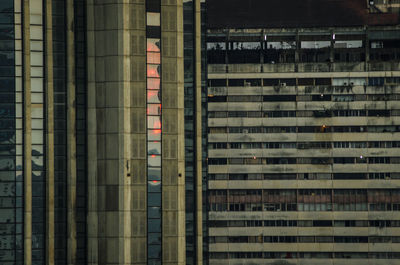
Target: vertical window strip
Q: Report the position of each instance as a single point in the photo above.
(38, 133)
(154, 146)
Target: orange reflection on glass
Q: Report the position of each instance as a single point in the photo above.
(153, 45)
(153, 109)
(153, 57)
(153, 70)
(154, 122)
(153, 96)
(153, 83)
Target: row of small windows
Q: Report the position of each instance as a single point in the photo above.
(304, 255)
(306, 129)
(303, 160)
(302, 207)
(305, 98)
(303, 145)
(304, 223)
(282, 82)
(320, 42)
(303, 113)
(303, 239)
(303, 176)
(305, 200)
(308, 51)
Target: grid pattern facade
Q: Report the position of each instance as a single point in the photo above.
(303, 150)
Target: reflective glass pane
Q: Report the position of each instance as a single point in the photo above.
(153, 109)
(153, 96)
(154, 251)
(153, 19)
(153, 58)
(154, 122)
(153, 135)
(154, 148)
(154, 161)
(154, 225)
(154, 199)
(153, 45)
(154, 173)
(154, 212)
(153, 83)
(154, 186)
(153, 70)
(154, 238)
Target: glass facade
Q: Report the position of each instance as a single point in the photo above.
(190, 137)
(81, 152)
(154, 129)
(38, 124)
(60, 132)
(11, 201)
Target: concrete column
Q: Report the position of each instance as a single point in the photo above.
(109, 129)
(173, 142)
(198, 132)
(138, 133)
(71, 135)
(27, 132)
(49, 118)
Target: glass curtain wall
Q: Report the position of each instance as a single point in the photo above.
(154, 129)
(11, 211)
(37, 123)
(190, 139)
(81, 153)
(60, 132)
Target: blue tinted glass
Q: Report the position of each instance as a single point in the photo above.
(7, 137)
(153, 262)
(6, 18)
(154, 225)
(7, 45)
(154, 212)
(154, 199)
(6, 5)
(7, 111)
(7, 71)
(7, 84)
(7, 163)
(154, 251)
(6, 32)
(154, 173)
(154, 186)
(6, 57)
(154, 238)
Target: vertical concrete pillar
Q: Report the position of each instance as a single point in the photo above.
(27, 133)
(198, 133)
(71, 135)
(138, 132)
(49, 118)
(173, 142)
(109, 132)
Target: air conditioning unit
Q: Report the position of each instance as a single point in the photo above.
(345, 83)
(283, 84)
(245, 131)
(352, 84)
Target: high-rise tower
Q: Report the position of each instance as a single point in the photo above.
(100, 121)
